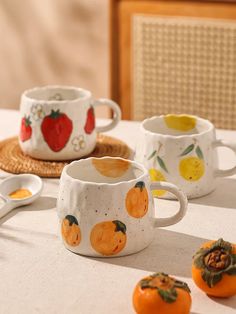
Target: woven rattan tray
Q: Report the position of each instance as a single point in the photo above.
(13, 160)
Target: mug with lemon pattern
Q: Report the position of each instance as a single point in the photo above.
(181, 149)
(106, 208)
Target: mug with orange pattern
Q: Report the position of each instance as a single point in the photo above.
(106, 208)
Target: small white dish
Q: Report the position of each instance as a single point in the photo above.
(30, 182)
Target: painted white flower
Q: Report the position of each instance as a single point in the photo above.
(37, 112)
(79, 143)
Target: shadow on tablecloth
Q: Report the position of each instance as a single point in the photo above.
(170, 252)
(225, 302)
(42, 203)
(223, 196)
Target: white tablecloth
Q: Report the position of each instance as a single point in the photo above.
(38, 275)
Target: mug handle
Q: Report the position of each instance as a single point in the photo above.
(117, 113)
(226, 172)
(163, 222)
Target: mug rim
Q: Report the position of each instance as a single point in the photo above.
(132, 162)
(86, 94)
(205, 121)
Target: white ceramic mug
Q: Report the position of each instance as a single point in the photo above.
(58, 122)
(106, 208)
(181, 149)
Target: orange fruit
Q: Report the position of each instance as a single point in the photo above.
(108, 237)
(71, 231)
(214, 268)
(112, 168)
(160, 293)
(137, 200)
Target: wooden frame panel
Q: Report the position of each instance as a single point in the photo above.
(121, 12)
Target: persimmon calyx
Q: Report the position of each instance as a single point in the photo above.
(215, 261)
(164, 285)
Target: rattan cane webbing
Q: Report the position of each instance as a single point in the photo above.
(13, 160)
(185, 65)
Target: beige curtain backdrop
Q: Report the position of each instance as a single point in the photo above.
(52, 42)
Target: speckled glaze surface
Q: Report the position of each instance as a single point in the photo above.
(105, 207)
(58, 122)
(181, 149)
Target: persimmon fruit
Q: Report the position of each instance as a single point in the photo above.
(214, 268)
(161, 294)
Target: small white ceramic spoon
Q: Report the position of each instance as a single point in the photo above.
(30, 182)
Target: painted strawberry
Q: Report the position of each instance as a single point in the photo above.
(25, 130)
(56, 129)
(90, 122)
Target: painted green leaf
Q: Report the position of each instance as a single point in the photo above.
(55, 114)
(27, 121)
(187, 150)
(211, 278)
(120, 226)
(72, 220)
(162, 164)
(140, 185)
(168, 296)
(233, 258)
(152, 155)
(199, 152)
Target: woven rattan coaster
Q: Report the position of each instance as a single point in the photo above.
(13, 160)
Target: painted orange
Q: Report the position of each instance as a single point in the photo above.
(148, 301)
(224, 288)
(71, 231)
(20, 193)
(113, 168)
(137, 200)
(108, 237)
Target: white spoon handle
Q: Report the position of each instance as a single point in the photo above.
(5, 208)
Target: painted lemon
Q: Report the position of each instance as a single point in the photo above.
(180, 122)
(156, 175)
(108, 237)
(137, 200)
(108, 167)
(71, 231)
(191, 168)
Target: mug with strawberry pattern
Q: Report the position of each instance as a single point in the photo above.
(181, 149)
(58, 122)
